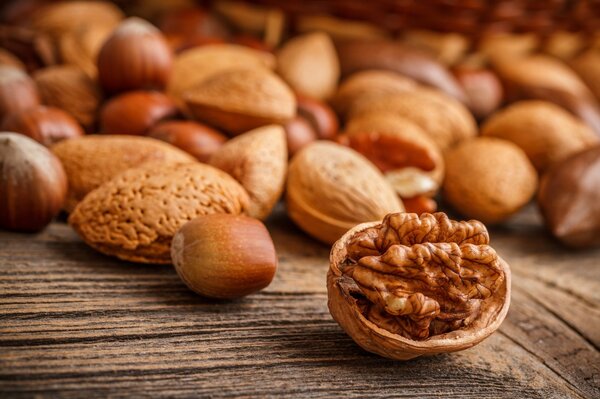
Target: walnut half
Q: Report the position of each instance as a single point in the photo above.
(417, 285)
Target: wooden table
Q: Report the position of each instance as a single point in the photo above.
(74, 323)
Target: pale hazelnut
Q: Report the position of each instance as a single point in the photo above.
(17, 91)
(33, 185)
(320, 115)
(224, 256)
(482, 87)
(299, 133)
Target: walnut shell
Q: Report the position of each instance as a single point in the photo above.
(331, 188)
(309, 64)
(258, 161)
(546, 132)
(417, 285)
(90, 161)
(488, 179)
(67, 87)
(239, 100)
(443, 118)
(135, 215)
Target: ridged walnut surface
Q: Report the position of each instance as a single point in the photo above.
(332, 188)
(92, 160)
(135, 215)
(258, 161)
(417, 285)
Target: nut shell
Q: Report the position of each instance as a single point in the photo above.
(17, 91)
(135, 215)
(331, 188)
(224, 256)
(546, 132)
(196, 139)
(415, 233)
(488, 179)
(92, 160)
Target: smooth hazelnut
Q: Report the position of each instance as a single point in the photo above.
(33, 185)
(17, 91)
(419, 205)
(299, 132)
(195, 138)
(135, 112)
(46, 125)
(320, 115)
(569, 199)
(224, 256)
(135, 56)
(482, 87)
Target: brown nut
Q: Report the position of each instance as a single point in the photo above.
(188, 26)
(17, 91)
(258, 161)
(447, 48)
(309, 64)
(33, 184)
(569, 199)
(135, 112)
(196, 139)
(299, 133)
(67, 87)
(361, 55)
(92, 160)
(224, 256)
(546, 132)
(238, 100)
(482, 87)
(135, 56)
(137, 222)
(410, 160)
(368, 84)
(419, 204)
(320, 115)
(332, 188)
(338, 28)
(46, 125)
(9, 59)
(488, 179)
(417, 285)
(444, 119)
(587, 66)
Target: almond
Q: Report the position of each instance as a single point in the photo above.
(309, 64)
(238, 100)
(258, 161)
(135, 216)
(331, 188)
(587, 66)
(92, 160)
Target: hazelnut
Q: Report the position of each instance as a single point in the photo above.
(569, 199)
(320, 115)
(420, 204)
(46, 125)
(188, 25)
(488, 179)
(482, 87)
(224, 256)
(299, 133)
(546, 132)
(33, 185)
(9, 59)
(17, 91)
(135, 112)
(587, 66)
(135, 56)
(195, 138)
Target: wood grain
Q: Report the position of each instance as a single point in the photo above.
(74, 323)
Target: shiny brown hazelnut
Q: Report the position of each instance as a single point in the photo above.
(320, 115)
(46, 125)
(17, 90)
(33, 185)
(135, 56)
(419, 204)
(195, 138)
(299, 132)
(224, 256)
(482, 87)
(135, 112)
(569, 199)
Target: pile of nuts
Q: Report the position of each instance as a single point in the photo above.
(170, 135)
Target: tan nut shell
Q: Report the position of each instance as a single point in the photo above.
(239, 100)
(135, 215)
(488, 179)
(546, 132)
(258, 161)
(378, 340)
(366, 85)
(193, 66)
(443, 118)
(331, 188)
(309, 64)
(92, 160)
